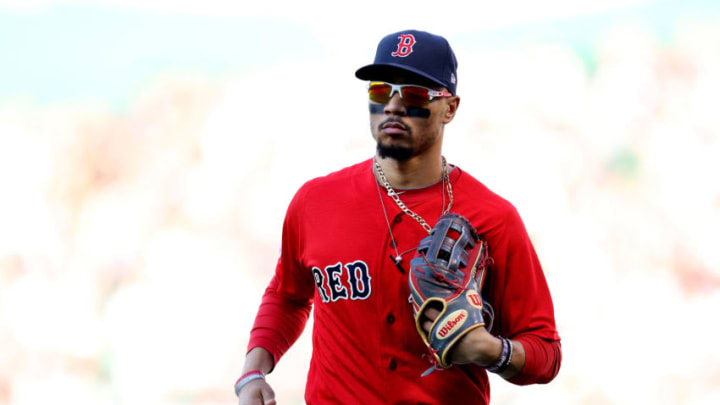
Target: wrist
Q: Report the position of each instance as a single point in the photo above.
(247, 377)
(488, 349)
(258, 359)
(504, 360)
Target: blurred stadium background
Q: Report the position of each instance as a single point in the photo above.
(148, 150)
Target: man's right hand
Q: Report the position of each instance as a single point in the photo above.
(257, 392)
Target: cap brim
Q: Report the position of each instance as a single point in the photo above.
(381, 71)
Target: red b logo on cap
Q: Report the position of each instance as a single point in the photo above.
(405, 45)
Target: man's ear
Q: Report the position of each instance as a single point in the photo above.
(451, 108)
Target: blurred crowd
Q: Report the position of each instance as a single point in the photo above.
(135, 246)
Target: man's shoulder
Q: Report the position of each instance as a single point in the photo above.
(481, 194)
(470, 184)
(338, 181)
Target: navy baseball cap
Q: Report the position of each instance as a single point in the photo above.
(418, 52)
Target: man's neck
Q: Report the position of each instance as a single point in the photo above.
(416, 172)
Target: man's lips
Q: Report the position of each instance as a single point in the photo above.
(393, 128)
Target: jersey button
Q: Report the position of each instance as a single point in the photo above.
(391, 318)
(398, 219)
(393, 365)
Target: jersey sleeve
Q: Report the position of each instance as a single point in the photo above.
(522, 301)
(287, 301)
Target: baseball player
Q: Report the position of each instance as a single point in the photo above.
(422, 279)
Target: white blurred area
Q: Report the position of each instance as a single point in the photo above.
(135, 247)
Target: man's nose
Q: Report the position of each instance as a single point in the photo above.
(395, 106)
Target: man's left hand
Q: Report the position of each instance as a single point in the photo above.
(477, 346)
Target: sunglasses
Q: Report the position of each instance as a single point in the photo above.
(412, 95)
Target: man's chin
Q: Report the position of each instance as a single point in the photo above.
(399, 153)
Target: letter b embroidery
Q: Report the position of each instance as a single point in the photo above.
(405, 45)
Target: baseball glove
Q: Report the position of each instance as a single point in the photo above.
(447, 273)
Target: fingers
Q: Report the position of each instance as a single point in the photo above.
(268, 395)
(429, 317)
(257, 392)
(431, 313)
(427, 325)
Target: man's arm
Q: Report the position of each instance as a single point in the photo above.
(257, 391)
(542, 361)
(523, 307)
(280, 320)
(278, 324)
(523, 304)
(482, 348)
(541, 366)
(258, 359)
(283, 312)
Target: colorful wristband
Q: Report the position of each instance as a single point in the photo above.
(509, 359)
(246, 378)
(503, 362)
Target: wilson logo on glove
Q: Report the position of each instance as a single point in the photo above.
(474, 299)
(454, 322)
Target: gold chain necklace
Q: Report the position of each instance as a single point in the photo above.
(394, 195)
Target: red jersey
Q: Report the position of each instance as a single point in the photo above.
(336, 254)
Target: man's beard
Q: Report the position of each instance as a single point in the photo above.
(399, 153)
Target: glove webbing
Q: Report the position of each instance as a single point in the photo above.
(437, 276)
